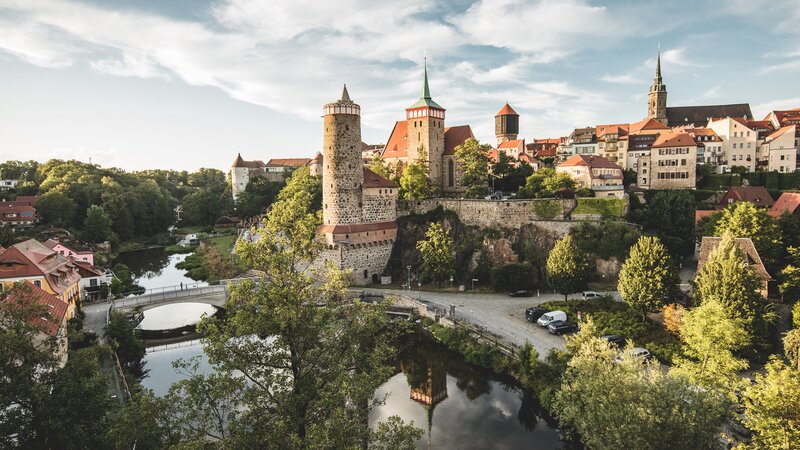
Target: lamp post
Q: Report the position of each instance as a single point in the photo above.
(408, 268)
(419, 290)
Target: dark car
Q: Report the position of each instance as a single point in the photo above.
(614, 340)
(521, 293)
(561, 327)
(532, 314)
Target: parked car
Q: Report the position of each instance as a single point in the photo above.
(551, 316)
(521, 293)
(614, 340)
(639, 353)
(588, 295)
(561, 327)
(533, 313)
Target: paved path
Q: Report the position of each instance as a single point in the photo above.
(499, 313)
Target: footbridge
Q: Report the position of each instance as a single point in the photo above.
(215, 295)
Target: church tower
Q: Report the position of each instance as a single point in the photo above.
(657, 97)
(342, 172)
(506, 124)
(425, 124)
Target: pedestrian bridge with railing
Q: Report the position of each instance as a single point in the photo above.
(215, 295)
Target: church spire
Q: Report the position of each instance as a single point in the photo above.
(426, 91)
(658, 67)
(345, 95)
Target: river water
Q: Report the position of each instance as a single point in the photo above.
(458, 406)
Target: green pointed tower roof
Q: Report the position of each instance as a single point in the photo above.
(426, 99)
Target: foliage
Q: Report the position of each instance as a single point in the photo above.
(204, 207)
(791, 346)
(55, 208)
(18, 170)
(790, 278)
(208, 264)
(415, 184)
(670, 215)
(605, 239)
(728, 278)
(772, 408)
(710, 337)
(604, 207)
(6, 235)
(123, 281)
(547, 209)
(257, 197)
(473, 160)
(648, 278)
(546, 182)
(744, 220)
(300, 182)
(796, 315)
(628, 404)
(512, 277)
(436, 251)
(509, 177)
(379, 166)
(458, 339)
(97, 225)
(673, 317)
(566, 267)
(129, 347)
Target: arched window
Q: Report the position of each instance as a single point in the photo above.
(450, 174)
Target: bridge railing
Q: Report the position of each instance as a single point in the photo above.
(147, 299)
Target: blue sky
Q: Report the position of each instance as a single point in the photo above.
(185, 84)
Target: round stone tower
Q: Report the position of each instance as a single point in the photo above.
(506, 124)
(343, 172)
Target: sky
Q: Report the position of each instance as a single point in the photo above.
(183, 84)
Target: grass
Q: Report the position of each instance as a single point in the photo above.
(606, 207)
(223, 244)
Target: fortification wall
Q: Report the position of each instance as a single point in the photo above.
(497, 214)
(367, 261)
(379, 205)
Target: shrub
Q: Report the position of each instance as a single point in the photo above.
(546, 209)
(512, 277)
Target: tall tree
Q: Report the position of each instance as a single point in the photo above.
(56, 208)
(97, 225)
(546, 182)
(566, 267)
(436, 251)
(772, 408)
(791, 346)
(744, 220)
(728, 278)
(379, 166)
(790, 276)
(710, 338)
(473, 160)
(670, 216)
(648, 277)
(627, 404)
(415, 184)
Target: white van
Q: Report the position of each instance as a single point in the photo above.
(551, 317)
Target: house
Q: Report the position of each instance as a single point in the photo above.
(275, 170)
(612, 142)
(51, 323)
(595, 173)
(709, 243)
(671, 164)
(780, 149)
(641, 136)
(709, 144)
(226, 222)
(787, 202)
(757, 195)
(544, 148)
(33, 262)
(582, 141)
(780, 119)
(8, 184)
(92, 279)
(17, 215)
(56, 246)
(738, 141)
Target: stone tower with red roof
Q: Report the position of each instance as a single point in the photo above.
(359, 207)
(506, 124)
(425, 127)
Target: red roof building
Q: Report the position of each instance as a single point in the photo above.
(757, 195)
(787, 202)
(596, 173)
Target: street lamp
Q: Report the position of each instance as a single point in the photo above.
(419, 290)
(408, 268)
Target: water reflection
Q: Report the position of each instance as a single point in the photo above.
(153, 268)
(175, 315)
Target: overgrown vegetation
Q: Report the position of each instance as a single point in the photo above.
(604, 207)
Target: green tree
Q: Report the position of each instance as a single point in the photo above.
(415, 184)
(546, 182)
(566, 267)
(202, 207)
(97, 225)
(605, 239)
(791, 346)
(129, 347)
(648, 277)
(744, 220)
(6, 235)
(55, 208)
(772, 408)
(379, 166)
(436, 251)
(790, 276)
(710, 338)
(512, 277)
(728, 278)
(627, 404)
(670, 215)
(473, 160)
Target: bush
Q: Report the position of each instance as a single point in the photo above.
(605, 207)
(547, 209)
(512, 277)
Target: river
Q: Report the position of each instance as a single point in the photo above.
(459, 406)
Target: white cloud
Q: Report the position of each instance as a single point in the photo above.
(36, 44)
(713, 92)
(130, 65)
(627, 78)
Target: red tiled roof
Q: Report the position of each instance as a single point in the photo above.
(55, 310)
(455, 136)
(506, 110)
(757, 195)
(673, 140)
(646, 124)
(32, 258)
(614, 128)
(511, 144)
(546, 152)
(29, 200)
(239, 162)
(589, 161)
(373, 180)
(787, 202)
(547, 141)
(288, 162)
(24, 213)
(317, 159)
(759, 124)
(780, 132)
(397, 145)
(700, 213)
(358, 228)
(86, 269)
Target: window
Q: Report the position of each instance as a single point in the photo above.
(38, 283)
(450, 173)
(365, 274)
(93, 282)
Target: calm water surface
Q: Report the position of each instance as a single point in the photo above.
(458, 406)
(153, 268)
(175, 315)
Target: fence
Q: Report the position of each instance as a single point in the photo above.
(146, 299)
(170, 346)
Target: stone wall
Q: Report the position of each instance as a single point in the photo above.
(342, 172)
(380, 205)
(367, 261)
(490, 213)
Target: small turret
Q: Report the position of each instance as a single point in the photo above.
(506, 124)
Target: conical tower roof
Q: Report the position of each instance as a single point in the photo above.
(506, 110)
(426, 99)
(345, 96)
(239, 162)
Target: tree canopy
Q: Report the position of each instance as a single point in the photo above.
(566, 267)
(473, 161)
(546, 182)
(648, 277)
(436, 251)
